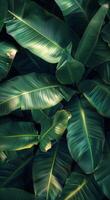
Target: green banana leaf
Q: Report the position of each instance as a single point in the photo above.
(46, 38)
(85, 132)
(69, 70)
(7, 55)
(3, 12)
(31, 91)
(90, 37)
(75, 12)
(52, 128)
(17, 135)
(104, 72)
(15, 193)
(98, 94)
(80, 187)
(50, 171)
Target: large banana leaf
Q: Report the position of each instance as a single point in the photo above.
(31, 91)
(36, 30)
(75, 12)
(15, 193)
(90, 37)
(17, 135)
(52, 129)
(7, 55)
(69, 70)
(3, 12)
(80, 187)
(98, 94)
(50, 171)
(102, 175)
(85, 135)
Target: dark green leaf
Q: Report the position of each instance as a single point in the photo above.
(85, 132)
(80, 187)
(90, 37)
(50, 171)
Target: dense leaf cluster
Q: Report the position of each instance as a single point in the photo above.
(54, 99)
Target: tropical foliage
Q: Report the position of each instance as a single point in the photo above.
(54, 99)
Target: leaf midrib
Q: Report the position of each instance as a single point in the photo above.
(84, 123)
(50, 174)
(14, 136)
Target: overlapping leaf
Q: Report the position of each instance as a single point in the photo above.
(50, 171)
(31, 91)
(85, 131)
(80, 186)
(52, 128)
